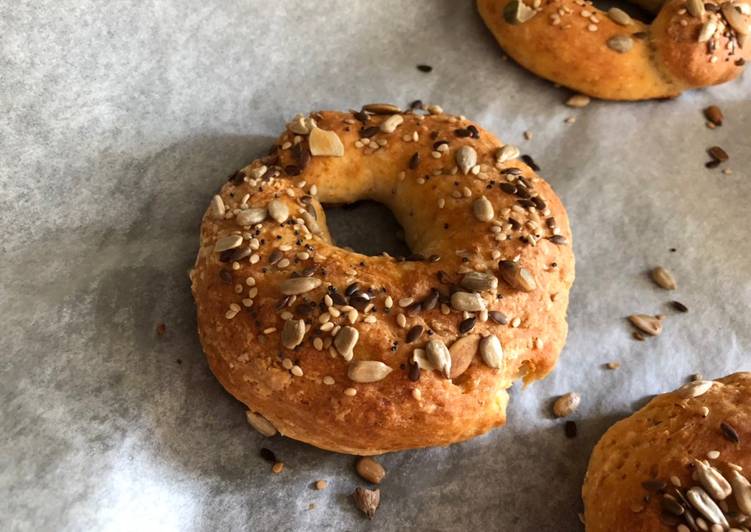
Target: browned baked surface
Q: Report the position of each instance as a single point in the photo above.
(659, 445)
(435, 201)
(656, 61)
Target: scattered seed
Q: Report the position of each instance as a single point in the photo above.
(425, 68)
(439, 356)
(680, 307)
(268, 455)
(718, 154)
(645, 323)
(321, 485)
(277, 468)
(325, 143)
(506, 153)
(696, 388)
(517, 276)
(367, 501)
(369, 469)
(381, 108)
(620, 43)
(578, 100)
(713, 113)
(619, 16)
(566, 404)
(613, 365)
(260, 423)
(729, 432)
(663, 278)
(570, 429)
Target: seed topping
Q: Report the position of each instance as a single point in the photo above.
(367, 371)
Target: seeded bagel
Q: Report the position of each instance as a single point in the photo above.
(611, 56)
(683, 462)
(365, 355)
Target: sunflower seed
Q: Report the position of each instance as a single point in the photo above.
(381, 108)
(260, 423)
(712, 481)
(301, 125)
(345, 342)
(252, 216)
(370, 470)
(696, 388)
(645, 323)
(579, 100)
(325, 143)
(737, 19)
(621, 43)
(462, 353)
(216, 208)
(483, 209)
(708, 29)
(467, 325)
(517, 12)
(414, 333)
(619, 16)
(439, 356)
(420, 358)
(293, 333)
(491, 352)
(706, 506)
(278, 210)
(713, 113)
(365, 371)
(499, 317)
(479, 281)
(696, 8)
(742, 491)
(466, 158)
(310, 223)
(670, 505)
(391, 123)
(298, 285)
(729, 432)
(367, 501)
(663, 278)
(566, 404)
(516, 276)
(680, 307)
(228, 242)
(467, 301)
(507, 153)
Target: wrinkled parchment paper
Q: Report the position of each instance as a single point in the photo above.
(120, 120)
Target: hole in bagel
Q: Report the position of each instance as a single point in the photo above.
(643, 10)
(367, 227)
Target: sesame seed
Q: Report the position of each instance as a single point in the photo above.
(287, 364)
(401, 320)
(328, 380)
(296, 371)
(417, 394)
(350, 392)
(713, 455)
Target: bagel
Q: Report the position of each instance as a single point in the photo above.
(682, 459)
(614, 57)
(368, 354)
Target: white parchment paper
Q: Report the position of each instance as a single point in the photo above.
(118, 120)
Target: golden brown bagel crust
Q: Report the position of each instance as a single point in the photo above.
(660, 442)
(243, 345)
(666, 58)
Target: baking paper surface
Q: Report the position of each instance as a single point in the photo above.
(120, 120)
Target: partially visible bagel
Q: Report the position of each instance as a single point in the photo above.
(614, 57)
(667, 465)
(365, 355)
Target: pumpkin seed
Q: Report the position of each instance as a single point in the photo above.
(566, 404)
(646, 323)
(278, 210)
(466, 158)
(260, 423)
(517, 12)
(467, 302)
(228, 242)
(217, 207)
(439, 356)
(706, 506)
(619, 16)
(252, 216)
(345, 342)
(462, 352)
(708, 29)
(579, 100)
(491, 351)
(517, 276)
(712, 480)
(369, 469)
(507, 153)
(621, 43)
(293, 333)
(365, 371)
(737, 19)
(298, 285)
(301, 125)
(325, 143)
(663, 278)
(391, 123)
(479, 281)
(696, 388)
(741, 490)
(381, 108)
(483, 209)
(696, 8)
